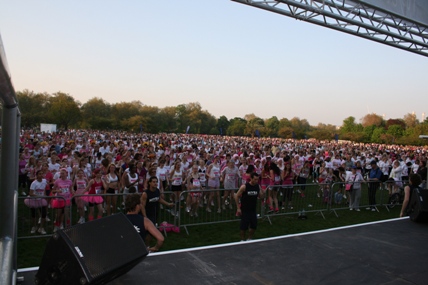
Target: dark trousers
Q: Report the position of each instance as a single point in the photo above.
(372, 193)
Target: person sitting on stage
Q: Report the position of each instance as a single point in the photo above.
(142, 224)
(414, 180)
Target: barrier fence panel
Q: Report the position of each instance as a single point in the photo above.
(206, 206)
(357, 199)
(296, 199)
(30, 212)
(78, 206)
(115, 203)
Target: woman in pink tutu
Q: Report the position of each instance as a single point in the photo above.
(95, 186)
(37, 189)
(63, 187)
(80, 183)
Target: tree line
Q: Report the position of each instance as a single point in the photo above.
(97, 114)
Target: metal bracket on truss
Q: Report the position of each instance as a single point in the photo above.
(355, 18)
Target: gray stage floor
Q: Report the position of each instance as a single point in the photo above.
(392, 252)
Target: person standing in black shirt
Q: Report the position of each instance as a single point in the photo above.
(247, 209)
(150, 200)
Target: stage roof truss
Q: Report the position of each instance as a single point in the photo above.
(355, 18)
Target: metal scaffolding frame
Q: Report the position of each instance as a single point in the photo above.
(355, 18)
(8, 174)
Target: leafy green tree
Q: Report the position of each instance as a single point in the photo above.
(376, 135)
(387, 138)
(368, 132)
(194, 117)
(123, 111)
(349, 126)
(236, 127)
(356, 137)
(182, 118)
(350, 130)
(284, 128)
(96, 114)
(301, 128)
(396, 131)
(64, 110)
(223, 123)
(209, 123)
(253, 125)
(168, 122)
(33, 108)
(323, 132)
(133, 123)
(272, 126)
(150, 118)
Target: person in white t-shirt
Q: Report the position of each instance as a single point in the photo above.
(37, 189)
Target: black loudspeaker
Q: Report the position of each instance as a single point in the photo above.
(418, 207)
(92, 253)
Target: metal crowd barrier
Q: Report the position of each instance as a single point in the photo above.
(340, 198)
(26, 222)
(202, 211)
(296, 199)
(164, 215)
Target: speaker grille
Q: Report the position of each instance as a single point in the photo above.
(103, 244)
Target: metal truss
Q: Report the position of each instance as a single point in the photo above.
(355, 18)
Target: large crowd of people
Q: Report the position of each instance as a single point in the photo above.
(78, 162)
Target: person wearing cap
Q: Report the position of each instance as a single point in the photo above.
(374, 179)
(251, 159)
(235, 159)
(258, 166)
(268, 159)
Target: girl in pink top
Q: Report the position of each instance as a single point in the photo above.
(275, 182)
(95, 186)
(287, 177)
(62, 188)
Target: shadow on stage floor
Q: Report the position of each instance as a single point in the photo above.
(389, 252)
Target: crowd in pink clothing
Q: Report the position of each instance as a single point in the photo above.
(77, 162)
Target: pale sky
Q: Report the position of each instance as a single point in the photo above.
(231, 58)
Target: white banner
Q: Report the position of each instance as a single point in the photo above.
(48, 128)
